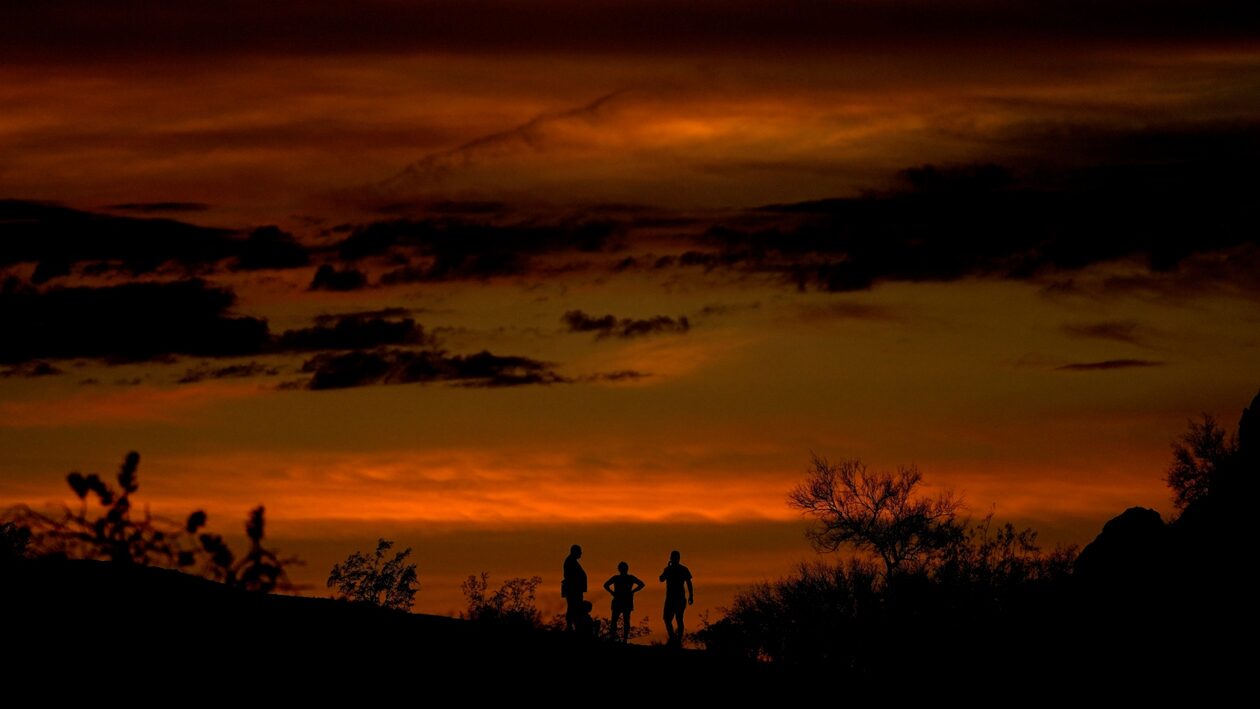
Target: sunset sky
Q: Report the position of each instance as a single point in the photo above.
(492, 277)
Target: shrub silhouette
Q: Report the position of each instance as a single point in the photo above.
(821, 614)
(512, 604)
(925, 575)
(609, 632)
(116, 534)
(995, 562)
(14, 539)
(372, 579)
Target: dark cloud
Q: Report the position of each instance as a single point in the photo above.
(231, 371)
(721, 309)
(1109, 364)
(1125, 331)
(159, 207)
(81, 30)
(483, 369)
(1161, 196)
(56, 238)
(36, 368)
(270, 248)
(1166, 204)
(1234, 271)
(388, 313)
(461, 249)
(354, 331)
(479, 267)
(328, 277)
(130, 322)
(623, 375)
(610, 326)
(153, 321)
(48, 270)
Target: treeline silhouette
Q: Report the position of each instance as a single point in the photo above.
(933, 597)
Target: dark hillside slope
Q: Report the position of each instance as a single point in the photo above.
(66, 621)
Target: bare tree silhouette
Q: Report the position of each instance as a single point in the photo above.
(878, 512)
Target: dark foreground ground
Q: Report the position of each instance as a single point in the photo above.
(85, 631)
(88, 626)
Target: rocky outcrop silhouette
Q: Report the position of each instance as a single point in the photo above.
(1249, 433)
(1131, 550)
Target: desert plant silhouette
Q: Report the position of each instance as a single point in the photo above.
(261, 569)
(371, 579)
(116, 534)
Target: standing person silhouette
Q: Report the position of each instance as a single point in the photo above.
(675, 577)
(573, 587)
(623, 586)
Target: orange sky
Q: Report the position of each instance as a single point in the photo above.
(985, 376)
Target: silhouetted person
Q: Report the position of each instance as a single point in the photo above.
(623, 586)
(573, 587)
(676, 576)
(584, 624)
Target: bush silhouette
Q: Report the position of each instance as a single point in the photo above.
(512, 604)
(925, 575)
(610, 632)
(372, 579)
(14, 539)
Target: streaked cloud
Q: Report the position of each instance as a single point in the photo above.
(1109, 365)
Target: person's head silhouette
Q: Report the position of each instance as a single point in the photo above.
(623, 567)
(674, 556)
(575, 551)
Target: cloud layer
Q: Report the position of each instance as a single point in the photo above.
(80, 28)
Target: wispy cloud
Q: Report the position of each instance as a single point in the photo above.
(534, 135)
(1126, 331)
(1108, 364)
